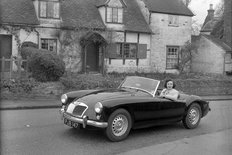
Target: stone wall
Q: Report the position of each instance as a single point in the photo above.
(167, 35)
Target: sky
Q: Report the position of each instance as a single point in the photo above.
(200, 7)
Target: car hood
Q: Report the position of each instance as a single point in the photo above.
(100, 95)
(93, 97)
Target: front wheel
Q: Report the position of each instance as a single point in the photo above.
(193, 117)
(119, 125)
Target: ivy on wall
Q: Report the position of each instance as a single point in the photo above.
(14, 30)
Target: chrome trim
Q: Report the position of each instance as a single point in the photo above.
(76, 103)
(82, 121)
(81, 104)
(151, 93)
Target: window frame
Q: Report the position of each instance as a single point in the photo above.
(174, 18)
(112, 15)
(48, 39)
(178, 57)
(49, 1)
(122, 50)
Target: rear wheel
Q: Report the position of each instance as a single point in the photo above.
(193, 117)
(119, 125)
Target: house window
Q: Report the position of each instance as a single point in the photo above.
(127, 50)
(173, 20)
(172, 57)
(49, 44)
(49, 9)
(114, 15)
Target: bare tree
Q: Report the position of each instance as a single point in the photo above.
(195, 27)
(186, 54)
(219, 9)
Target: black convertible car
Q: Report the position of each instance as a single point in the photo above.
(134, 104)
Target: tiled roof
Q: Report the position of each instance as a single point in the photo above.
(81, 13)
(132, 17)
(175, 7)
(74, 14)
(208, 26)
(17, 12)
(218, 42)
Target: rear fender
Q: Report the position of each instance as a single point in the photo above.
(200, 102)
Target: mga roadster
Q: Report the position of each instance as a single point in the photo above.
(134, 104)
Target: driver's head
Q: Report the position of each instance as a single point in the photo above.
(169, 84)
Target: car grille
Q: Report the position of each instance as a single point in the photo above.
(77, 109)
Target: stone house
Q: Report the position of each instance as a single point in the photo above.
(214, 53)
(100, 35)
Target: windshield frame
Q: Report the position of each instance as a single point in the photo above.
(152, 93)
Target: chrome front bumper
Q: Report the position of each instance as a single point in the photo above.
(84, 120)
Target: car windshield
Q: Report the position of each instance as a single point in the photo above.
(141, 83)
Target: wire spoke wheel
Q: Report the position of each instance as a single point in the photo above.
(119, 125)
(193, 116)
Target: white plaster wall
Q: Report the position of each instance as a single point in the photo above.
(209, 58)
(130, 64)
(145, 39)
(28, 36)
(165, 35)
(132, 37)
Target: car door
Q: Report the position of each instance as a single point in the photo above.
(171, 109)
(158, 109)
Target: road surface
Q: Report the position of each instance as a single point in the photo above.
(41, 132)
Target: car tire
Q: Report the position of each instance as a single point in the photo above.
(193, 116)
(119, 125)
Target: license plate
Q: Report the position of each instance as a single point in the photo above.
(70, 123)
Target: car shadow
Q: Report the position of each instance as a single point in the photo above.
(85, 134)
(98, 135)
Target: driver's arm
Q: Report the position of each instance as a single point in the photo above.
(162, 94)
(173, 95)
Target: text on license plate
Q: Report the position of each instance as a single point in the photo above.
(70, 123)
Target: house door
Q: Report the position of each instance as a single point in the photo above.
(92, 57)
(5, 50)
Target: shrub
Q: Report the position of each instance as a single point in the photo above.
(29, 44)
(46, 66)
(19, 85)
(27, 52)
(85, 81)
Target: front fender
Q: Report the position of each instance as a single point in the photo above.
(78, 94)
(193, 98)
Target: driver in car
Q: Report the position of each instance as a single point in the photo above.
(169, 91)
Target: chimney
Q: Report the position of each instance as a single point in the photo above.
(210, 15)
(211, 12)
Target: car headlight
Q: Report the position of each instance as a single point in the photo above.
(64, 98)
(98, 107)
